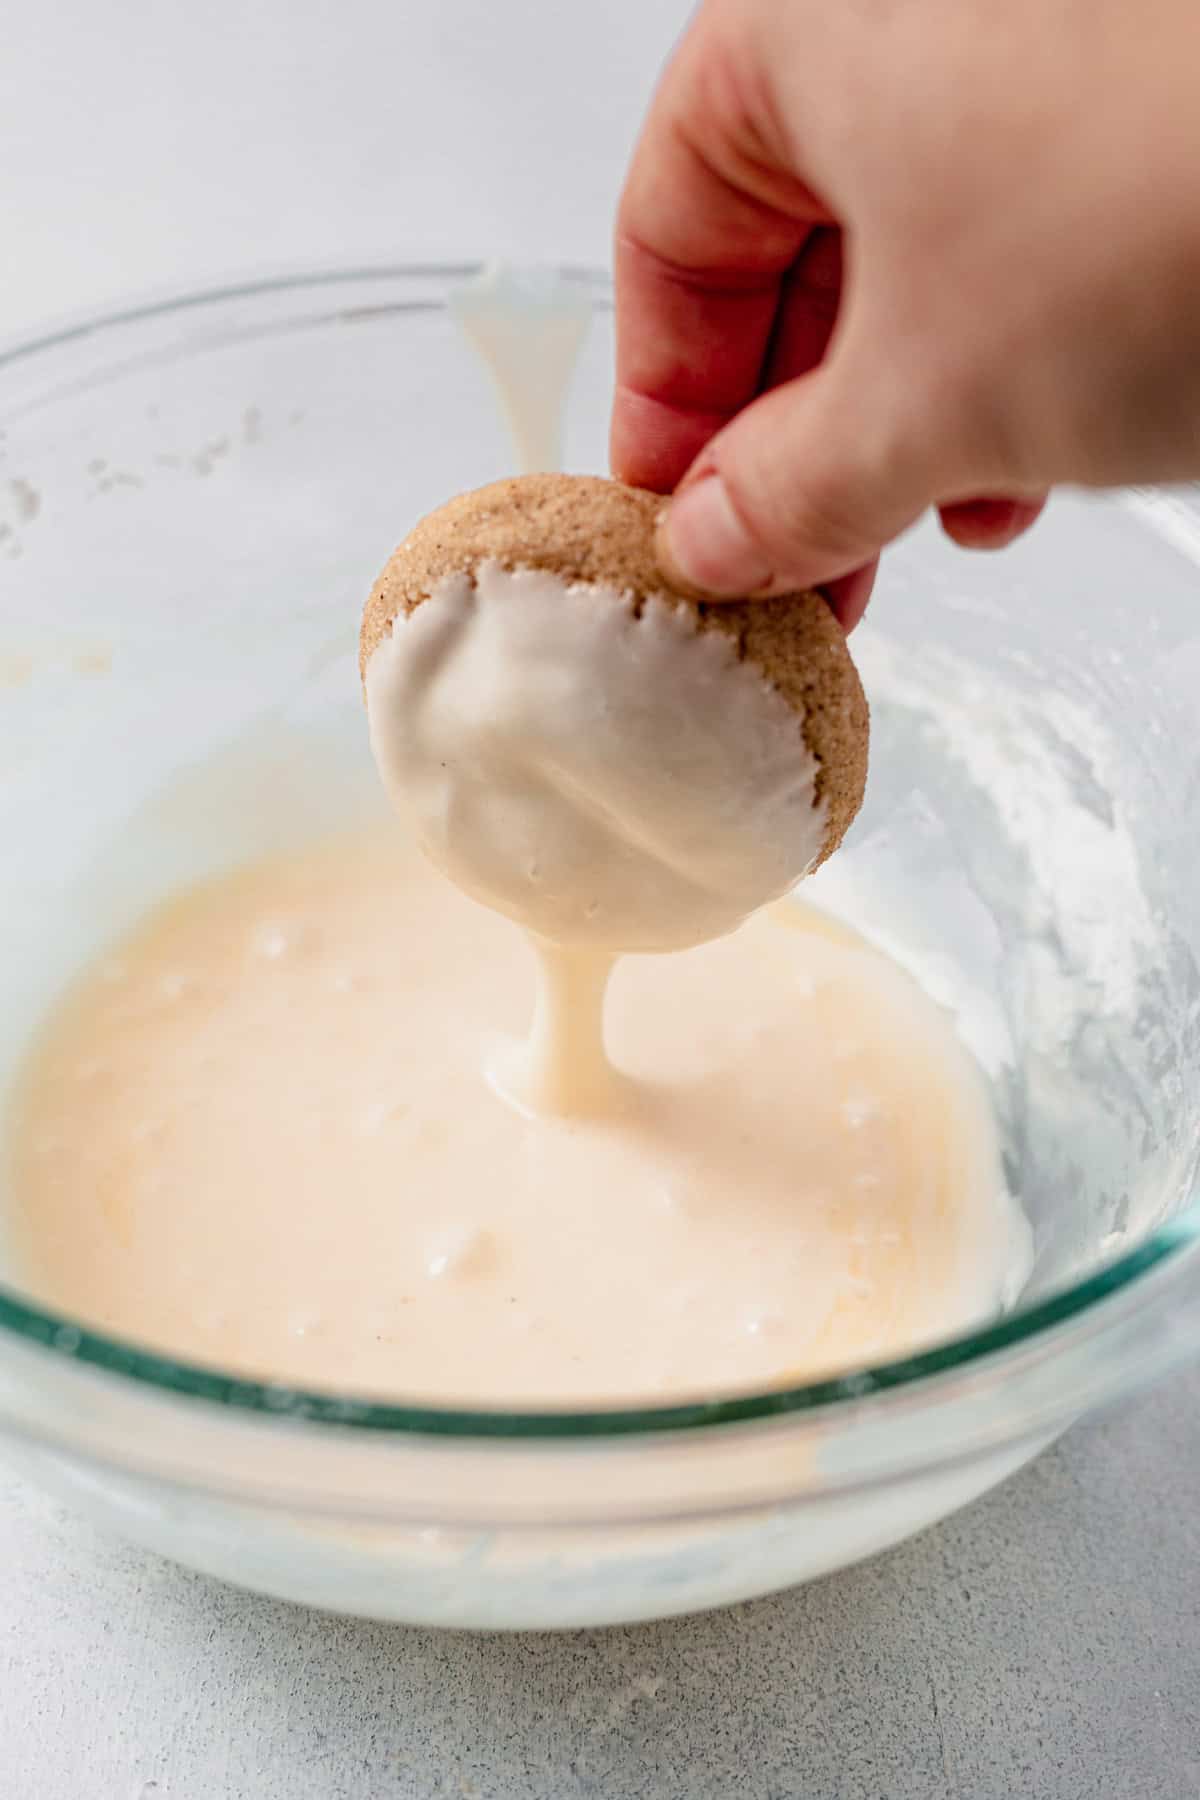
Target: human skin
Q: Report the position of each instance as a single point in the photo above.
(893, 254)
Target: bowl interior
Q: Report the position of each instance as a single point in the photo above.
(193, 502)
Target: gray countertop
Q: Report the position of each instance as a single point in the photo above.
(1043, 1643)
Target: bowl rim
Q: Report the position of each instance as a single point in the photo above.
(1174, 1246)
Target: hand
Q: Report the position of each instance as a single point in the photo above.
(887, 254)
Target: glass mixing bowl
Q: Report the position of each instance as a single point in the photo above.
(194, 498)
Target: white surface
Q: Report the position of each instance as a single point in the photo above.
(144, 146)
(1042, 1645)
(1046, 1642)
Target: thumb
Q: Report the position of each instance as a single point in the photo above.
(806, 484)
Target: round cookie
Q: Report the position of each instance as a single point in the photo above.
(585, 529)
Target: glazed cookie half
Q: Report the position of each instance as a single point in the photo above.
(584, 748)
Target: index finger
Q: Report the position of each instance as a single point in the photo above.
(709, 223)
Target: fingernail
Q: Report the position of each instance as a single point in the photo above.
(703, 546)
